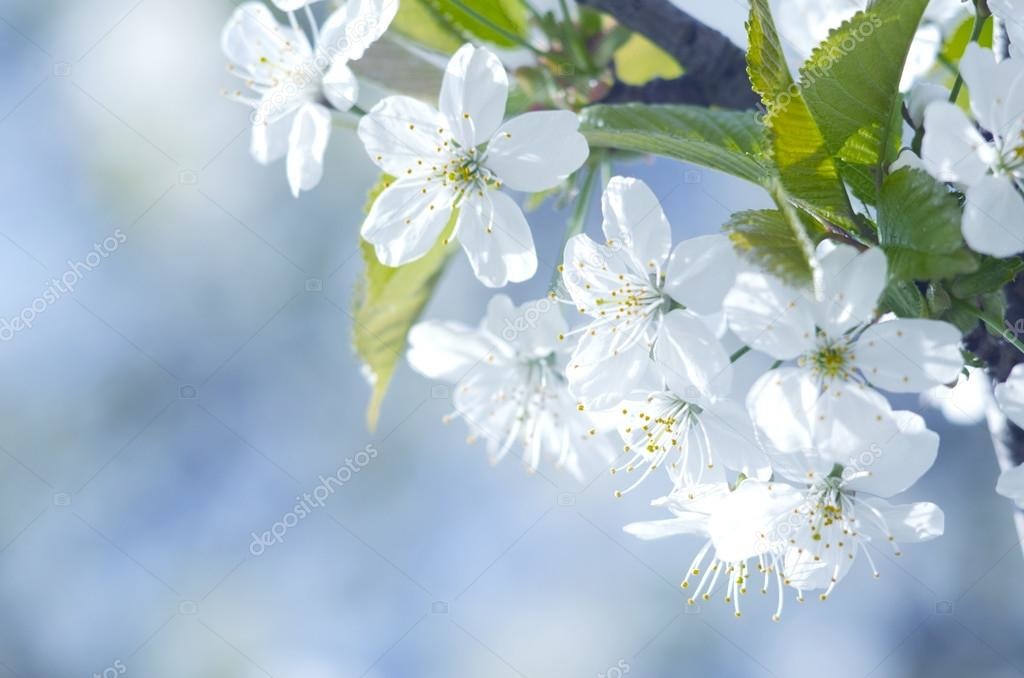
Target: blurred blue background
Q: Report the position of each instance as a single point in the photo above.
(198, 378)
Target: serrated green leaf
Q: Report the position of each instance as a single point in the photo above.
(639, 61)
(764, 238)
(851, 86)
(766, 62)
(919, 228)
(796, 145)
(781, 241)
(992, 275)
(728, 141)
(388, 302)
(903, 298)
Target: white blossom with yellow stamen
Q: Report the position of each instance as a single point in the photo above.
(841, 352)
(297, 82)
(454, 160)
(509, 386)
(644, 300)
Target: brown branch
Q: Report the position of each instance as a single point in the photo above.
(716, 69)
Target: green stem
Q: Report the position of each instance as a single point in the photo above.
(498, 29)
(979, 25)
(996, 325)
(740, 352)
(578, 218)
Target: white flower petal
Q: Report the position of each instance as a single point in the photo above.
(1010, 395)
(404, 137)
(909, 355)
(687, 523)
(829, 425)
(953, 149)
(292, 5)
(701, 272)
(852, 282)
(732, 439)
(474, 94)
(693, 361)
(446, 350)
(270, 139)
(340, 86)
(537, 151)
(890, 467)
(994, 217)
(600, 379)
(770, 316)
(533, 328)
(253, 34)
(592, 272)
(497, 239)
(908, 523)
(1011, 484)
(741, 525)
(406, 220)
(307, 144)
(989, 84)
(635, 221)
(353, 27)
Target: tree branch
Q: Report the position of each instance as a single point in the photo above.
(716, 69)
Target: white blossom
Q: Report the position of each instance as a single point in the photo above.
(990, 172)
(509, 385)
(454, 160)
(643, 298)
(841, 351)
(294, 81)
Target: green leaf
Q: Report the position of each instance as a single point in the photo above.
(728, 141)
(444, 25)
(919, 228)
(851, 86)
(781, 241)
(797, 147)
(764, 238)
(421, 22)
(766, 62)
(639, 61)
(903, 298)
(388, 302)
(992, 275)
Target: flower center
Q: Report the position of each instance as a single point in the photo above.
(830, 360)
(464, 173)
(658, 430)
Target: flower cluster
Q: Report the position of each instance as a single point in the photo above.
(792, 473)
(793, 477)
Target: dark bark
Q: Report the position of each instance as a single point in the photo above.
(716, 69)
